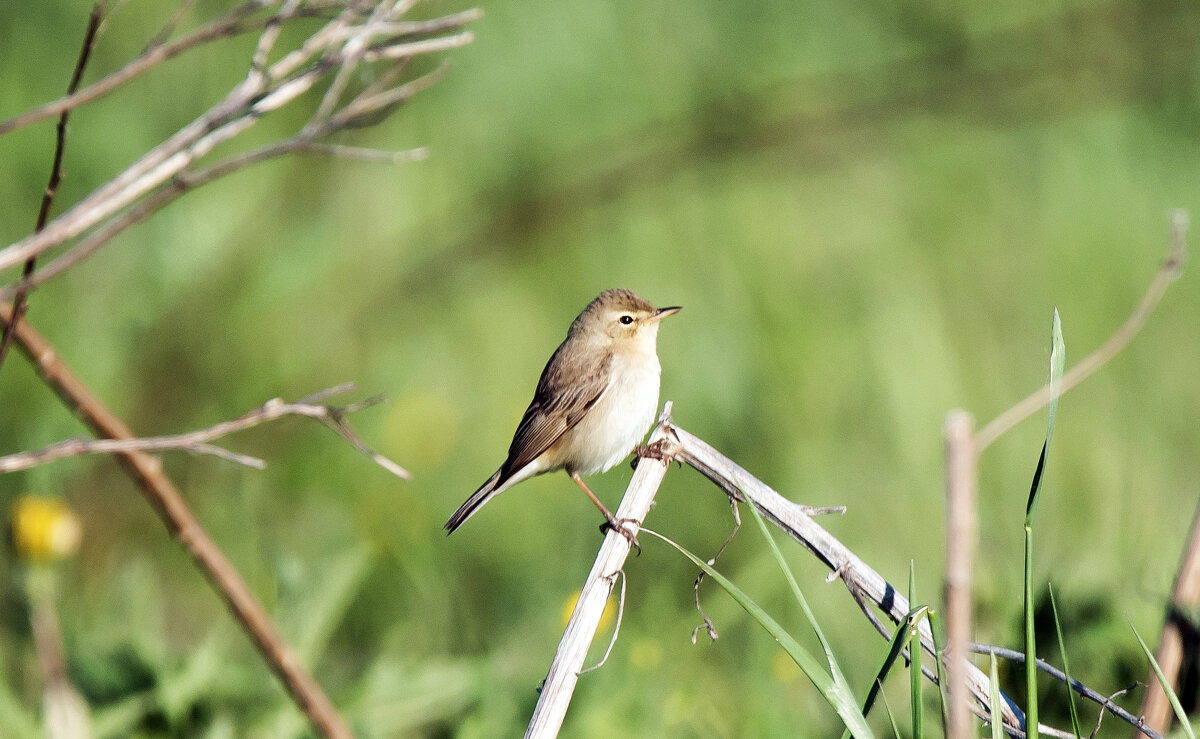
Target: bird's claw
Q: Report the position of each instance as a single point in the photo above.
(659, 450)
(619, 525)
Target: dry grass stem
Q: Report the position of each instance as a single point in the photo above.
(961, 531)
(560, 682)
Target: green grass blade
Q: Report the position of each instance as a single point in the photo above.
(1058, 359)
(841, 700)
(896, 645)
(994, 679)
(914, 660)
(1062, 650)
(835, 670)
(887, 708)
(941, 672)
(1031, 702)
(1166, 686)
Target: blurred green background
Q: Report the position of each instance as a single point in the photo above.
(868, 211)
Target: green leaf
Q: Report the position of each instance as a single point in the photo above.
(900, 639)
(834, 669)
(942, 681)
(1062, 650)
(1031, 707)
(1058, 358)
(1166, 686)
(914, 660)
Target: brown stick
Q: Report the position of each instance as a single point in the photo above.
(166, 500)
(961, 527)
(1155, 707)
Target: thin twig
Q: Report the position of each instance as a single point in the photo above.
(417, 154)
(198, 441)
(260, 92)
(1168, 272)
(168, 28)
(56, 173)
(234, 23)
(708, 624)
(1109, 699)
(1083, 690)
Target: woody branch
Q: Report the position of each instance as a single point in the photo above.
(352, 38)
(357, 32)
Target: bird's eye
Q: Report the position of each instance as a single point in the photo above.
(626, 319)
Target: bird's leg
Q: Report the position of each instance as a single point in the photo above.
(610, 522)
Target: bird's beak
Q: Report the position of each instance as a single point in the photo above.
(662, 313)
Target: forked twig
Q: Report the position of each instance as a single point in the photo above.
(198, 442)
(162, 495)
(708, 625)
(172, 168)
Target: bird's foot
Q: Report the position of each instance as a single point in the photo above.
(626, 527)
(660, 450)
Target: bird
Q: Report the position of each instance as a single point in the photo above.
(594, 402)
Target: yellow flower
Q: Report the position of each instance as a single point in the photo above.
(44, 528)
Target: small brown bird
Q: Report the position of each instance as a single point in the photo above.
(594, 403)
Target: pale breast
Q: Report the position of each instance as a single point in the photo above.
(619, 420)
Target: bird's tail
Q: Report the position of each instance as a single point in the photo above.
(477, 499)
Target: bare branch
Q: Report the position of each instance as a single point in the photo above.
(1105, 702)
(198, 442)
(181, 523)
(1170, 270)
(416, 48)
(418, 154)
(234, 23)
(345, 41)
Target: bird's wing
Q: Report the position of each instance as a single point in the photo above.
(560, 401)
